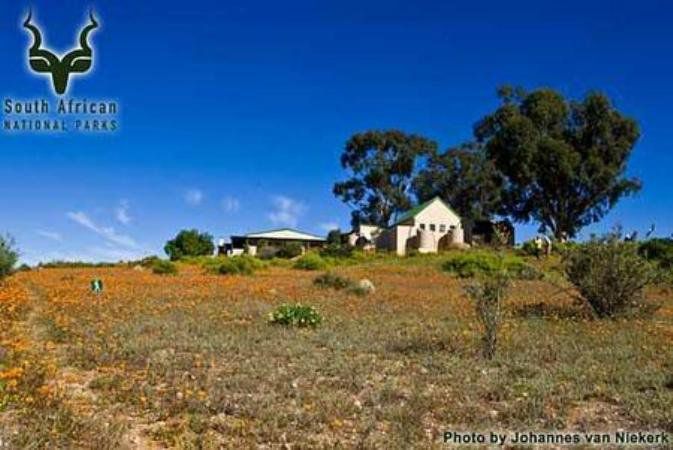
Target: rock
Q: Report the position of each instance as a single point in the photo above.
(366, 286)
(138, 268)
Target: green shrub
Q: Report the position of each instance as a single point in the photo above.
(295, 315)
(470, 264)
(287, 250)
(310, 261)
(290, 250)
(563, 248)
(189, 243)
(336, 250)
(332, 280)
(163, 267)
(236, 265)
(609, 274)
(267, 252)
(8, 256)
(488, 296)
(659, 251)
(529, 248)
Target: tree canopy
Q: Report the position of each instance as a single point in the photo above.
(382, 166)
(563, 162)
(464, 178)
(189, 243)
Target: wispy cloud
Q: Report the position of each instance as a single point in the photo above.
(107, 233)
(54, 236)
(122, 212)
(286, 211)
(193, 197)
(230, 204)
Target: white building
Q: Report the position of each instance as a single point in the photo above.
(427, 228)
(251, 241)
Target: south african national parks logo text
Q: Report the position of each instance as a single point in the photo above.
(60, 113)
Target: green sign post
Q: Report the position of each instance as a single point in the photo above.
(96, 286)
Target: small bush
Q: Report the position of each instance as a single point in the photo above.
(336, 250)
(237, 265)
(529, 248)
(163, 267)
(488, 296)
(332, 280)
(290, 250)
(563, 248)
(609, 274)
(470, 264)
(295, 315)
(8, 256)
(311, 261)
(287, 250)
(267, 252)
(362, 288)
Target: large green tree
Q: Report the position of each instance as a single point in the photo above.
(563, 161)
(466, 179)
(382, 166)
(189, 243)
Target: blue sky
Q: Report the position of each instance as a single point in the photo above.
(234, 114)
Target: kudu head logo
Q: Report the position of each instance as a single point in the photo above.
(76, 61)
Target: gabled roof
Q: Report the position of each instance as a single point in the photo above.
(285, 233)
(417, 209)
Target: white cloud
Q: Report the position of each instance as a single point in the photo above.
(108, 233)
(122, 212)
(329, 226)
(54, 236)
(286, 211)
(230, 204)
(193, 197)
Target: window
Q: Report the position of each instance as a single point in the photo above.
(432, 227)
(422, 226)
(442, 228)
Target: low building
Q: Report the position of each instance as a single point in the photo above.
(427, 228)
(250, 243)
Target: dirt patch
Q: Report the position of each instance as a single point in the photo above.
(598, 415)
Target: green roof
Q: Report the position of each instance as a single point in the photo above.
(417, 209)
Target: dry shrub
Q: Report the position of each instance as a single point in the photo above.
(488, 295)
(609, 274)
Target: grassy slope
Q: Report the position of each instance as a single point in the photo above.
(189, 360)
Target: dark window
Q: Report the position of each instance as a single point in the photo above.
(442, 228)
(432, 227)
(422, 226)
